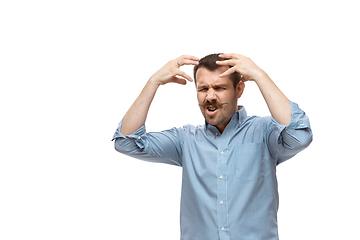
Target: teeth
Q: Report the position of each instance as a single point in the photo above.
(212, 109)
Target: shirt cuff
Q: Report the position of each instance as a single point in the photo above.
(138, 135)
(298, 120)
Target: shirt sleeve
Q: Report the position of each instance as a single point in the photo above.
(160, 147)
(285, 141)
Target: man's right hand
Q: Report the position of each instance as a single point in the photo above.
(171, 71)
(137, 113)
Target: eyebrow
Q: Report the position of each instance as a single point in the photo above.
(215, 86)
(220, 85)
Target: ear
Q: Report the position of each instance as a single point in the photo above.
(240, 89)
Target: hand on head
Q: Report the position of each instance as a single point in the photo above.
(171, 72)
(241, 64)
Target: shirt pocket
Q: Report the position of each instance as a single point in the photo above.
(250, 161)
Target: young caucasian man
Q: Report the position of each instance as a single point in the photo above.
(229, 186)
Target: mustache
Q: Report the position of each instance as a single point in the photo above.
(214, 103)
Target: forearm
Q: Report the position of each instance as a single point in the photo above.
(277, 102)
(137, 113)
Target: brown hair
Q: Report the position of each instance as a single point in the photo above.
(209, 62)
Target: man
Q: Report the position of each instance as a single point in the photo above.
(229, 186)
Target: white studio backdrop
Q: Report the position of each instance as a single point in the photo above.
(69, 70)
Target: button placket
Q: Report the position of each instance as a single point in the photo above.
(221, 173)
(221, 189)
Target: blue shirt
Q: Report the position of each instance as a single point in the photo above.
(229, 186)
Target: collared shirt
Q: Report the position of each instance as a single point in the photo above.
(229, 185)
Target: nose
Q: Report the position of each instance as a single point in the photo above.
(211, 95)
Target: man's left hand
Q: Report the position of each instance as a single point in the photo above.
(241, 64)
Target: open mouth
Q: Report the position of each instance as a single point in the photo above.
(211, 109)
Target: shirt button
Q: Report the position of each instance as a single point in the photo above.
(139, 137)
(222, 153)
(216, 134)
(221, 202)
(221, 177)
(223, 228)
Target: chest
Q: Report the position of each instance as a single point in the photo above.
(242, 155)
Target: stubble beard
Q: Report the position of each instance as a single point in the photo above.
(224, 114)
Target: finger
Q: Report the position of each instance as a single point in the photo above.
(230, 62)
(190, 57)
(178, 80)
(229, 55)
(184, 75)
(187, 62)
(228, 72)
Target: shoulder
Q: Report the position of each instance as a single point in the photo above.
(191, 129)
(253, 129)
(256, 121)
(188, 130)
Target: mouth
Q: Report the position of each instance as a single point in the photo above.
(211, 110)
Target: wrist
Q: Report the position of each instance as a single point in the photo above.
(153, 82)
(261, 77)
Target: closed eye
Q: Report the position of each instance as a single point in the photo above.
(202, 89)
(219, 88)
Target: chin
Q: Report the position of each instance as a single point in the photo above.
(213, 122)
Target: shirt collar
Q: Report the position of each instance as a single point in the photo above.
(239, 116)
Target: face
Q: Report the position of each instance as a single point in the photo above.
(217, 96)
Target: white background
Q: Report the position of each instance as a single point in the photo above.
(70, 69)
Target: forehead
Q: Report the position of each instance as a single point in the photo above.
(207, 77)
